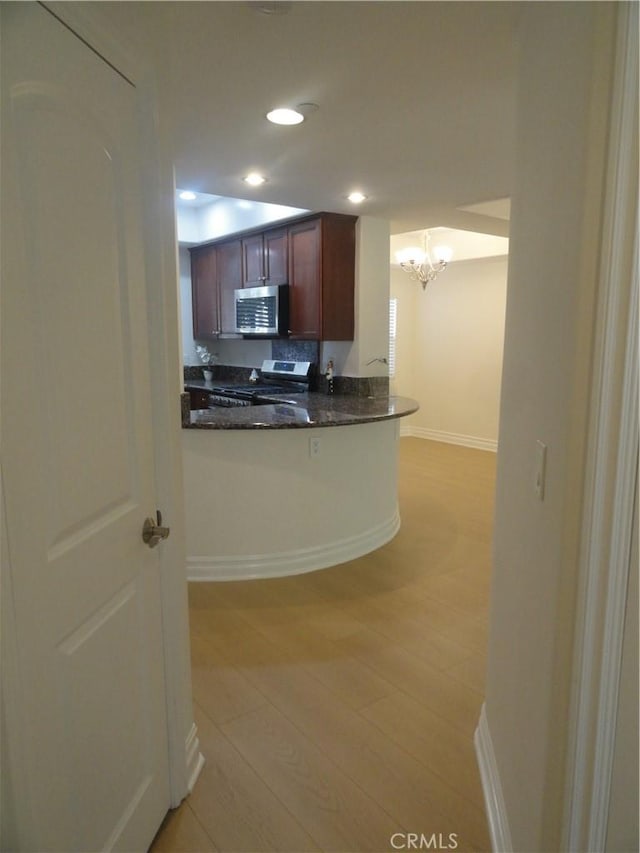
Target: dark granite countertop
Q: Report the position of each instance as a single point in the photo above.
(301, 410)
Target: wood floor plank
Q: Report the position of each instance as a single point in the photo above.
(351, 680)
(181, 832)
(432, 740)
(416, 632)
(471, 672)
(347, 698)
(220, 690)
(437, 690)
(333, 809)
(238, 810)
(408, 790)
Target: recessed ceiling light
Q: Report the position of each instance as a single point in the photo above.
(187, 195)
(285, 115)
(307, 108)
(356, 197)
(254, 179)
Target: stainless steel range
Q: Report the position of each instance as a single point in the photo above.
(278, 379)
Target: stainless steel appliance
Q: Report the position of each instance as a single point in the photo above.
(262, 311)
(278, 380)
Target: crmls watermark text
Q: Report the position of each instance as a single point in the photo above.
(420, 841)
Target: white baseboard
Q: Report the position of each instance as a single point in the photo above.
(492, 788)
(296, 562)
(449, 437)
(194, 758)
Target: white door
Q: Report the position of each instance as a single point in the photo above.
(77, 446)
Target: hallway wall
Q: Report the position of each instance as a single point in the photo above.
(449, 350)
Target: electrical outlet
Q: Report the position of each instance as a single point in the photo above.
(314, 447)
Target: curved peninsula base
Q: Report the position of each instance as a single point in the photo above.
(259, 504)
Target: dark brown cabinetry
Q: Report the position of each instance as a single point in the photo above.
(265, 258)
(229, 278)
(321, 278)
(204, 293)
(198, 399)
(216, 271)
(314, 254)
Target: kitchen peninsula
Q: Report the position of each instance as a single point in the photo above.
(292, 486)
(302, 410)
(303, 481)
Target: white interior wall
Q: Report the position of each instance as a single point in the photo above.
(449, 350)
(229, 215)
(371, 322)
(189, 355)
(407, 293)
(563, 101)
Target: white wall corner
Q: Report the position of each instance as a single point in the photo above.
(371, 336)
(193, 757)
(492, 788)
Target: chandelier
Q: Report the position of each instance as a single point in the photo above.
(422, 265)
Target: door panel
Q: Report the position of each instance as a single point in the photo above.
(229, 271)
(204, 289)
(276, 257)
(253, 261)
(304, 280)
(64, 294)
(77, 444)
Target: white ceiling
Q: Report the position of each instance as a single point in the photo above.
(417, 103)
(464, 245)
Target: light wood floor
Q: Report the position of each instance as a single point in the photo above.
(337, 708)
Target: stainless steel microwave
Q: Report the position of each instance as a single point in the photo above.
(262, 311)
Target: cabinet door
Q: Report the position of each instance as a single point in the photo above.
(198, 399)
(253, 261)
(204, 293)
(229, 272)
(305, 280)
(276, 256)
(338, 277)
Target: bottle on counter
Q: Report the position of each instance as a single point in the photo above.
(329, 376)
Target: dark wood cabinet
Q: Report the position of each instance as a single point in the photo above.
(252, 261)
(314, 254)
(305, 280)
(204, 293)
(229, 278)
(322, 278)
(265, 258)
(216, 271)
(198, 398)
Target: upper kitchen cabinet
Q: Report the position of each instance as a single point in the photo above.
(216, 271)
(229, 278)
(315, 254)
(322, 253)
(204, 293)
(265, 258)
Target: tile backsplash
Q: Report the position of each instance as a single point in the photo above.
(359, 386)
(295, 350)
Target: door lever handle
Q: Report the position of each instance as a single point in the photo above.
(153, 531)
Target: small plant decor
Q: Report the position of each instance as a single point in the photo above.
(207, 359)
